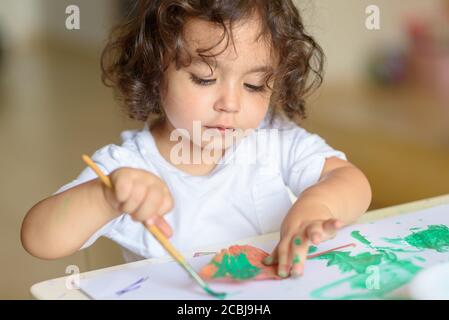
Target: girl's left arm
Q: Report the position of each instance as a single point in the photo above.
(340, 197)
(342, 188)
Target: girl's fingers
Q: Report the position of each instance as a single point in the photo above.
(291, 252)
(272, 258)
(167, 204)
(123, 190)
(298, 249)
(314, 232)
(148, 211)
(331, 227)
(284, 259)
(338, 224)
(135, 200)
(163, 225)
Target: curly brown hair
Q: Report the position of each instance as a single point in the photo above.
(138, 50)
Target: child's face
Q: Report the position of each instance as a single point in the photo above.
(227, 97)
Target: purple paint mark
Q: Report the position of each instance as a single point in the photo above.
(199, 254)
(131, 287)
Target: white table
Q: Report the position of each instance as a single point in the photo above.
(57, 288)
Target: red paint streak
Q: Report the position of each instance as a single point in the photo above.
(330, 250)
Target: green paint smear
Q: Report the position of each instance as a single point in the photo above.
(397, 249)
(398, 241)
(298, 241)
(436, 237)
(392, 272)
(356, 235)
(346, 262)
(420, 259)
(217, 295)
(312, 249)
(237, 267)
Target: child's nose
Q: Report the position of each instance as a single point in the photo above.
(229, 100)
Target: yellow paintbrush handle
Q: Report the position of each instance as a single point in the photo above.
(104, 178)
(165, 243)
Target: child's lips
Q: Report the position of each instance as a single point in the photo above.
(221, 129)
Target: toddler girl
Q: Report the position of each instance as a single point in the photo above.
(220, 88)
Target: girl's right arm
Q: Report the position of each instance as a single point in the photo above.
(58, 226)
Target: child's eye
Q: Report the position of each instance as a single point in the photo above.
(207, 82)
(201, 82)
(255, 88)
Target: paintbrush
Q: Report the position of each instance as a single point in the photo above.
(159, 236)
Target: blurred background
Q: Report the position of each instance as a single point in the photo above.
(384, 101)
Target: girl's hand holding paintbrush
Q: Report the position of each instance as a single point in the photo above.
(147, 185)
(141, 194)
(59, 225)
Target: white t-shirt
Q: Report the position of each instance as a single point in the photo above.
(245, 195)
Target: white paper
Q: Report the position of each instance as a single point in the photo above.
(169, 281)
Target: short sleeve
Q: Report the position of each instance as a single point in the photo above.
(108, 159)
(302, 158)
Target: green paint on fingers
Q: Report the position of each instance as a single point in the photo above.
(298, 241)
(296, 259)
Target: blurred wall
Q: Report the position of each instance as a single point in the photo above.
(96, 18)
(339, 26)
(20, 21)
(28, 21)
